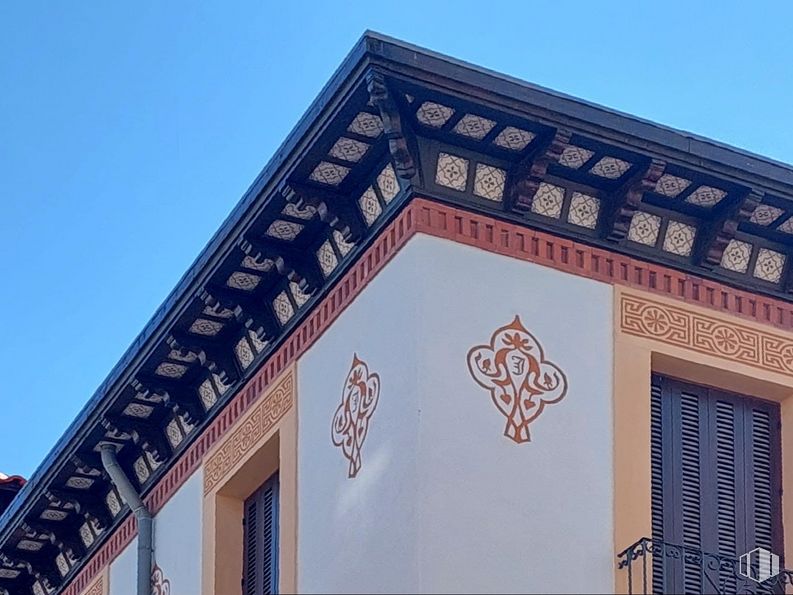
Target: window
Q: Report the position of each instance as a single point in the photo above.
(260, 550)
(716, 484)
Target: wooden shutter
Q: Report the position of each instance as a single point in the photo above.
(716, 482)
(260, 548)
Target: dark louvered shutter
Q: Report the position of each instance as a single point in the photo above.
(260, 550)
(716, 483)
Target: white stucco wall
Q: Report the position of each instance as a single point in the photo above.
(444, 501)
(177, 544)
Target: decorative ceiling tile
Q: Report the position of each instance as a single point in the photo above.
(202, 326)
(769, 265)
(679, 238)
(370, 206)
(326, 257)
(433, 114)
(113, 503)
(62, 564)
(671, 186)
(548, 201)
(170, 370)
(330, 174)
(283, 308)
(387, 183)
(575, 157)
(472, 126)
(736, 256)
(207, 394)
(244, 353)
(452, 172)
(343, 245)
(284, 230)
(29, 545)
(644, 228)
(489, 182)
(11, 573)
(514, 139)
(706, 196)
(243, 281)
(249, 262)
(141, 469)
(766, 214)
(53, 515)
(786, 226)
(81, 483)
(297, 293)
(584, 210)
(174, 433)
(348, 149)
(138, 410)
(305, 212)
(610, 167)
(366, 124)
(86, 535)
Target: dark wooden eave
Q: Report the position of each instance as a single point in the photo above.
(375, 137)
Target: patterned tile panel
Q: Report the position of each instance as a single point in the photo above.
(671, 186)
(584, 210)
(370, 206)
(574, 157)
(326, 258)
(514, 139)
(679, 238)
(472, 126)
(330, 174)
(765, 215)
(644, 228)
(284, 230)
(348, 149)
(387, 183)
(366, 124)
(489, 182)
(610, 168)
(433, 114)
(548, 201)
(283, 308)
(786, 226)
(209, 328)
(243, 281)
(769, 265)
(452, 172)
(706, 196)
(736, 256)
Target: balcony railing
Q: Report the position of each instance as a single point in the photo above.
(653, 566)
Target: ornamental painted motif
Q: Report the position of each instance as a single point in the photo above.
(159, 584)
(359, 399)
(520, 380)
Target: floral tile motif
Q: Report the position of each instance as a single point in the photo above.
(350, 425)
(786, 226)
(284, 230)
(367, 125)
(243, 281)
(671, 186)
(433, 114)
(679, 238)
(736, 256)
(548, 201)
(472, 126)
(139, 409)
(244, 353)
(644, 228)
(330, 174)
(520, 381)
(610, 167)
(326, 258)
(292, 210)
(348, 149)
(584, 210)
(514, 139)
(370, 206)
(769, 265)
(706, 196)
(574, 157)
(171, 370)
(283, 308)
(489, 182)
(387, 183)
(452, 172)
(202, 326)
(765, 215)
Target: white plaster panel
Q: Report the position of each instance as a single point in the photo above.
(123, 571)
(359, 535)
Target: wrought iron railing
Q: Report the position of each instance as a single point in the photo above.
(653, 566)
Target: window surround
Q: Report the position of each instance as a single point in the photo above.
(262, 441)
(640, 351)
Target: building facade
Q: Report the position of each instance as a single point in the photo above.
(462, 334)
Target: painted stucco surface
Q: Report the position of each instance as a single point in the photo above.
(444, 501)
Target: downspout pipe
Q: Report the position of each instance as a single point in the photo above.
(142, 514)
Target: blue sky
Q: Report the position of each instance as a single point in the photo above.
(128, 131)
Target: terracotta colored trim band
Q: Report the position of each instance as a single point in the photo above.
(509, 239)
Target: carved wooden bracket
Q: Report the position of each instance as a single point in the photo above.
(181, 399)
(404, 163)
(211, 353)
(526, 175)
(250, 312)
(625, 201)
(714, 238)
(299, 266)
(146, 436)
(337, 211)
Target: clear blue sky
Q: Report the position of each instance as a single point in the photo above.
(128, 131)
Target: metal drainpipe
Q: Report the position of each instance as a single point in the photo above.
(142, 514)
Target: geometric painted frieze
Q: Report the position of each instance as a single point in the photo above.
(681, 327)
(521, 382)
(359, 397)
